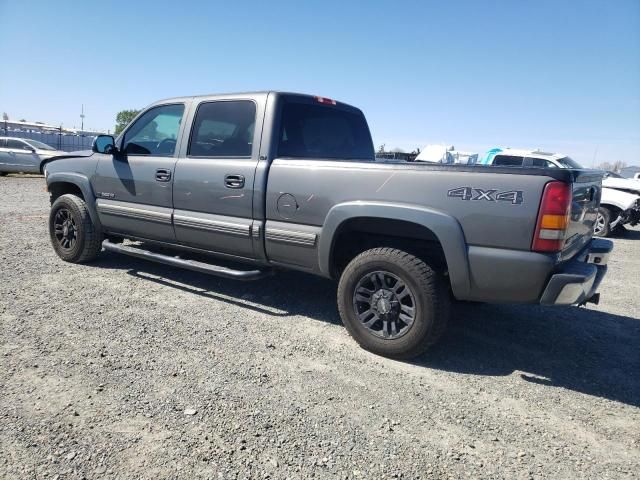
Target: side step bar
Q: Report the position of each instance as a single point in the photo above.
(187, 264)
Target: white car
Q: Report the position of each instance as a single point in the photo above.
(24, 155)
(617, 181)
(620, 201)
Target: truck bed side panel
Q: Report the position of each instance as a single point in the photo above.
(315, 186)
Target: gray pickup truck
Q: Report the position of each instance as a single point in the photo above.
(276, 180)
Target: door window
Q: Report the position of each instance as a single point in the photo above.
(155, 132)
(3, 143)
(223, 129)
(508, 160)
(539, 162)
(17, 145)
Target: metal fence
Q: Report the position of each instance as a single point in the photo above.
(60, 141)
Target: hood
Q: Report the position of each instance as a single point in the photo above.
(61, 155)
(618, 198)
(625, 184)
(50, 153)
(79, 153)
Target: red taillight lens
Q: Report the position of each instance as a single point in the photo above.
(553, 218)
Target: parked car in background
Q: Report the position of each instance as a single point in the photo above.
(24, 155)
(620, 202)
(618, 182)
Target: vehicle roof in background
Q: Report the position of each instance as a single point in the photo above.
(531, 154)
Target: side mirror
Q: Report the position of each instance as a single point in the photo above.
(104, 144)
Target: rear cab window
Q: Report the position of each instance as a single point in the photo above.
(310, 129)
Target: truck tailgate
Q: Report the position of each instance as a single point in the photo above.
(587, 189)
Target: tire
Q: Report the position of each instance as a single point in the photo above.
(601, 227)
(81, 241)
(2, 174)
(362, 287)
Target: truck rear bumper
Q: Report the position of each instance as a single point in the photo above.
(576, 281)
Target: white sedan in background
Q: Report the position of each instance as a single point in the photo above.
(620, 202)
(24, 155)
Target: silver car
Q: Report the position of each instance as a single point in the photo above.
(24, 155)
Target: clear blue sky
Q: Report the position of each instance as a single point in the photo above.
(562, 75)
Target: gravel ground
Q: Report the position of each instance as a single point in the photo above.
(127, 369)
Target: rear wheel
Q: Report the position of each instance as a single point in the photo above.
(73, 235)
(392, 302)
(602, 228)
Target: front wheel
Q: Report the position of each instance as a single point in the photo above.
(602, 226)
(393, 303)
(73, 235)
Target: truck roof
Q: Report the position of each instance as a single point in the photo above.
(239, 94)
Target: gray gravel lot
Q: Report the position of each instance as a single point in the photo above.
(102, 363)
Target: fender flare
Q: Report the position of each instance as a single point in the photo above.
(446, 229)
(83, 183)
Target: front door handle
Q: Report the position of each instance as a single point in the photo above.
(234, 181)
(163, 175)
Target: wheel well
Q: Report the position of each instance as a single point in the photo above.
(61, 188)
(356, 235)
(615, 211)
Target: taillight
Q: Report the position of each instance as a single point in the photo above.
(553, 218)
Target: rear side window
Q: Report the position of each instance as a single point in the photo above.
(508, 161)
(318, 131)
(223, 129)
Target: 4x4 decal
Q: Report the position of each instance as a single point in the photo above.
(515, 197)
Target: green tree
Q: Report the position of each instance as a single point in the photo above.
(124, 118)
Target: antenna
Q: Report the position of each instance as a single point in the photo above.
(82, 118)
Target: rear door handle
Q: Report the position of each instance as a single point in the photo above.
(163, 175)
(234, 181)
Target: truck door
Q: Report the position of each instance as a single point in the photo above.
(134, 187)
(214, 181)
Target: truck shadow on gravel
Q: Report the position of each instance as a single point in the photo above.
(587, 351)
(583, 350)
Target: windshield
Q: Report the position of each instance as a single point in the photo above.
(614, 175)
(568, 162)
(38, 145)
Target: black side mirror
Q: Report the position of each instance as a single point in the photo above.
(104, 144)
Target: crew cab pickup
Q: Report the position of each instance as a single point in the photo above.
(276, 180)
